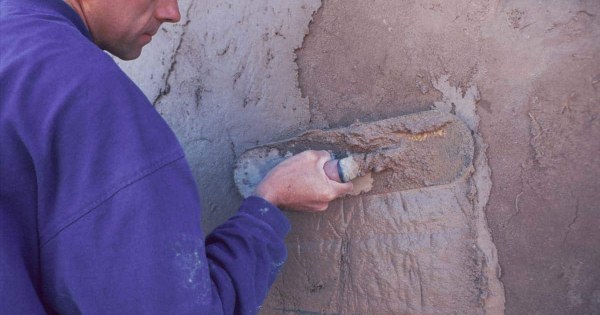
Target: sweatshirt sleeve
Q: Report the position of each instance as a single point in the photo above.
(142, 251)
(245, 255)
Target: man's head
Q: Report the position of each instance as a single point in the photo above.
(123, 27)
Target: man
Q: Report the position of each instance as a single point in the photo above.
(99, 212)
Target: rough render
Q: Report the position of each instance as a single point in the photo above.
(226, 81)
(524, 75)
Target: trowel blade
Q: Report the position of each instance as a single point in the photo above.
(430, 148)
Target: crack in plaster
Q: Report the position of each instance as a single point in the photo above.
(575, 217)
(535, 132)
(165, 88)
(517, 210)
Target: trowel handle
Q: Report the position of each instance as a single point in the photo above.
(332, 171)
(343, 170)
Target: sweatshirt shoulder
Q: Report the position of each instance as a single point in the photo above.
(44, 43)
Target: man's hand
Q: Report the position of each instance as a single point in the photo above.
(300, 183)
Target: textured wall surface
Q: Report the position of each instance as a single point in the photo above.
(523, 75)
(225, 80)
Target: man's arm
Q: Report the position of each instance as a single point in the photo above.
(298, 183)
(142, 250)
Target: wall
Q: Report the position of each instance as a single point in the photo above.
(522, 74)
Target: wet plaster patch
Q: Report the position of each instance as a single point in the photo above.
(421, 251)
(401, 153)
(463, 103)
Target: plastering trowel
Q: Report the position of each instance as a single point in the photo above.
(401, 153)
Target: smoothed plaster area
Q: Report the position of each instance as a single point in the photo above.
(530, 71)
(420, 251)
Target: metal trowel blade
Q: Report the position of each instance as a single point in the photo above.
(417, 150)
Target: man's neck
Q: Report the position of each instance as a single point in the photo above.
(78, 8)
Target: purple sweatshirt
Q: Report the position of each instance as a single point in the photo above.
(99, 213)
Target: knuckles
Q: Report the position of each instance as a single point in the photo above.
(298, 183)
(314, 154)
(330, 195)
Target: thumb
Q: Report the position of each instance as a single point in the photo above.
(341, 189)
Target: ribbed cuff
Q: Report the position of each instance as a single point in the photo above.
(267, 212)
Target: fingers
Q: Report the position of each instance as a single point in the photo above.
(331, 170)
(301, 183)
(339, 189)
(323, 156)
(320, 156)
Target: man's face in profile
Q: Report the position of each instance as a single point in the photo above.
(124, 27)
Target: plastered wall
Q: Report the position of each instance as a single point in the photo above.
(523, 75)
(225, 80)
